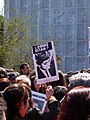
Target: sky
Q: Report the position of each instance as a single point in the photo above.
(1, 7)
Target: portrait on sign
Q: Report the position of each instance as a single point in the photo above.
(45, 62)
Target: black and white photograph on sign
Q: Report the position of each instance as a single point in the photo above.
(39, 100)
(45, 63)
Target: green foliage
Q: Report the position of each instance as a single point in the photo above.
(15, 44)
(1, 40)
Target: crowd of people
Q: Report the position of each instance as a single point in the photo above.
(67, 98)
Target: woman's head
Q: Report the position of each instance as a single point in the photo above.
(17, 96)
(76, 104)
(36, 86)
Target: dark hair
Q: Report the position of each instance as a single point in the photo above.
(12, 75)
(3, 73)
(14, 95)
(22, 66)
(76, 104)
(40, 57)
(61, 80)
(59, 92)
(4, 81)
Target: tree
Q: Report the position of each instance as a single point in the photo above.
(15, 44)
(1, 40)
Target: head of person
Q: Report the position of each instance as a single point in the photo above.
(25, 69)
(12, 75)
(3, 73)
(17, 97)
(4, 81)
(61, 81)
(23, 79)
(76, 104)
(79, 79)
(43, 60)
(60, 92)
(36, 86)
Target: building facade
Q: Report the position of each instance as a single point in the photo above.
(65, 22)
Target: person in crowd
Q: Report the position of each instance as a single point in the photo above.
(12, 75)
(37, 87)
(3, 108)
(60, 92)
(45, 65)
(79, 79)
(68, 75)
(41, 88)
(17, 97)
(4, 81)
(3, 73)
(61, 80)
(22, 79)
(25, 69)
(76, 104)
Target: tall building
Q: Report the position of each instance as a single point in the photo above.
(65, 22)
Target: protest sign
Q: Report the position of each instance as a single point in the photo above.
(45, 64)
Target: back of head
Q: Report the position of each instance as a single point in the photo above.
(3, 73)
(61, 81)
(4, 81)
(23, 79)
(14, 94)
(12, 75)
(59, 92)
(80, 79)
(76, 104)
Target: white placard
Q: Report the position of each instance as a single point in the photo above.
(45, 64)
(39, 100)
